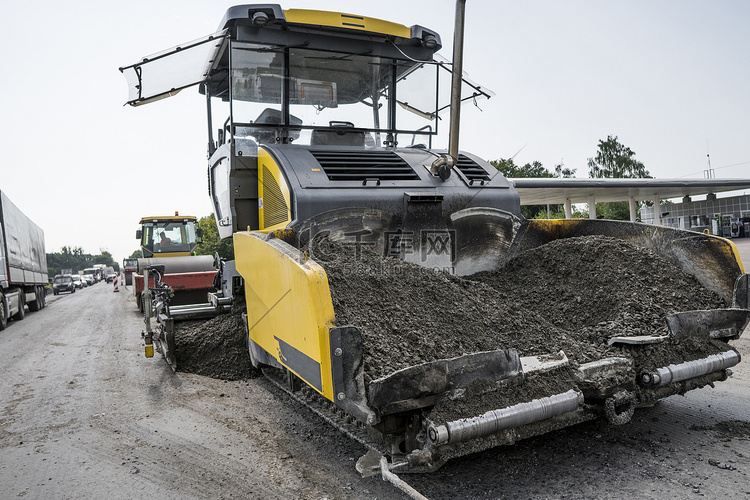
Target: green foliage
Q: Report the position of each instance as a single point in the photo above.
(563, 172)
(104, 258)
(535, 169)
(614, 160)
(137, 254)
(509, 168)
(559, 213)
(613, 210)
(211, 243)
(74, 258)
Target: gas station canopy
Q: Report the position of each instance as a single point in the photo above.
(541, 191)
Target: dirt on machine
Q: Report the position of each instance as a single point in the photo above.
(393, 286)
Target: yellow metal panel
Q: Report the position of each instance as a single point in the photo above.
(347, 21)
(168, 218)
(733, 253)
(273, 193)
(288, 304)
(171, 254)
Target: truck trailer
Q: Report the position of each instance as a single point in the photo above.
(23, 263)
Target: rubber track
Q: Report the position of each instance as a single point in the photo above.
(328, 411)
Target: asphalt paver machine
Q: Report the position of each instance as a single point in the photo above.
(326, 123)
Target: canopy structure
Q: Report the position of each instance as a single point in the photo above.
(542, 191)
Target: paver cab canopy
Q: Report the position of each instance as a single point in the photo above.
(299, 79)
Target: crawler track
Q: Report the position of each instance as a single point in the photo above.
(328, 411)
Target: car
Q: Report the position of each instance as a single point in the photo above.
(63, 283)
(77, 280)
(109, 274)
(93, 271)
(89, 279)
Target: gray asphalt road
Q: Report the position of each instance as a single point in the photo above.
(85, 415)
(743, 246)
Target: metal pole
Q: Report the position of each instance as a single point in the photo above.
(633, 206)
(398, 482)
(458, 62)
(442, 166)
(592, 207)
(211, 145)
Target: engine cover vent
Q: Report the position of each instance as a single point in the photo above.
(364, 166)
(275, 209)
(471, 170)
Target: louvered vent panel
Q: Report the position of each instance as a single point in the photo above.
(275, 209)
(471, 170)
(361, 166)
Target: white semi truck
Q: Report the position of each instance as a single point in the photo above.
(23, 263)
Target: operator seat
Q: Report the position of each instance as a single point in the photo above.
(273, 118)
(340, 137)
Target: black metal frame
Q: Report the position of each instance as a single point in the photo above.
(137, 68)
(392, 132)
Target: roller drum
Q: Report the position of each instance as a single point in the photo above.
(175, 265)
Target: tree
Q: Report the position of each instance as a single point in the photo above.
(137, 254)
(509, 168)
(563, 172)
(74, 258)
(616, 161)
(104, 258)
(211, 243)
(560, 213)
(535, 169)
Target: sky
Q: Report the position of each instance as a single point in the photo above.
(669, 78)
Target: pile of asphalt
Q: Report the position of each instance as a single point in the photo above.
(571, 295)
(214, 348)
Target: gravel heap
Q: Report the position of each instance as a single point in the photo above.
(215, 348)
(571, 295)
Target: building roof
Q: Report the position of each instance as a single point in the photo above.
(540, 191)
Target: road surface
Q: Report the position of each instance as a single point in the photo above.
(85, 415)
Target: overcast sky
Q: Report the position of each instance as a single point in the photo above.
(671, 79)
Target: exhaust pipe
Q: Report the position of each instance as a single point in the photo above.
(443, 165)
(458, 66)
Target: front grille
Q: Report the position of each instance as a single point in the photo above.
(471, 170)
(364, 166)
